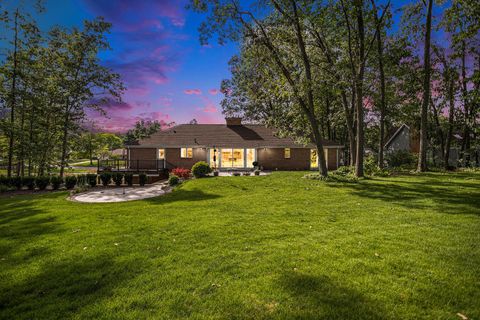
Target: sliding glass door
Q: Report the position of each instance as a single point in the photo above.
(232, 158)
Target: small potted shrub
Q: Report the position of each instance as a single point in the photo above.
(255, 164)
(142, 179)
(105, 177)
(91, 179)
(256, 172)
(29, 182)
(117, 178)
(215, 173)
(129, 179)
(236, 174)
(246, 173)
(201, 169)
(56, 181)
(42, 182)
(173, 180)
(70, 182)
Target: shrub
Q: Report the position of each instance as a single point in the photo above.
(142, 179)
(42, 182)
(105, 177)
(332, 177)
(91, 179)
(117, 178)
(400, 158)
(70, 182)
(236, 174)
(4, 188)
(345, 170)
(255, 163)
(29, 182)
(173, 180)
(16, 182)
(201, 169)
(129, 179)
(4, 181)
(181, 173)
(246, 173)
(56, 182)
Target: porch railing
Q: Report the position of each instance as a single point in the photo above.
(131, 165)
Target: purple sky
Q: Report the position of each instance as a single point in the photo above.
(169, 76)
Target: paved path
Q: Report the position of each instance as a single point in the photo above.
(117, 195)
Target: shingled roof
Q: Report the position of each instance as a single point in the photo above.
(221, 135)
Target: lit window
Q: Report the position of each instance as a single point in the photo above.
(250, 157)
(287, 153)
(186, 153)
(161, 154)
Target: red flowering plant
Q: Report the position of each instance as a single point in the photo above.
(182, 173)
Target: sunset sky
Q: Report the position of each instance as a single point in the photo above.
(156, 49)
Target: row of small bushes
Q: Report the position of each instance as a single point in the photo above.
(41, 182)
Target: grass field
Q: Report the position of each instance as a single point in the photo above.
(270, 247)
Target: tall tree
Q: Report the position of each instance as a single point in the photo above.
(422, 157)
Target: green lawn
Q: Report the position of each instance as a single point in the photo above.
(273, 247)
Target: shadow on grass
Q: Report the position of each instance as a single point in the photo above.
(318, 297)
(448, 196)
(21, 222)
(62, 289)
(180, 194)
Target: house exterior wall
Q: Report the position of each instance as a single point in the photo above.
(274, 159)
(172, 156)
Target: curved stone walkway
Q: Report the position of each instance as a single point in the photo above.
(118, 195)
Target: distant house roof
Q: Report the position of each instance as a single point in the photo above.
(222, 135)
(393, 133)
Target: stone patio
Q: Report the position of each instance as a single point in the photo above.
(121, 194)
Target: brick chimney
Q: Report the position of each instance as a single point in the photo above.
(233, 121)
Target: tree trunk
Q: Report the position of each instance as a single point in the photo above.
(359, 90)
(451, 110)
(64, 141)
(13, 98)
(383, 103)
(422, 157)
(466, 128)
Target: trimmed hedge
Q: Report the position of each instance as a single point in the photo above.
(70, 182)
(105, 177)
(142, 179)
(117, 178)
(129, 179)
(56, 182)
(42, 182)
(91, 180)
(173, 180)
(29, 182)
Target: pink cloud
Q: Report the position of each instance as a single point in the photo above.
(209, 106)
(213, 91)
(192, 91)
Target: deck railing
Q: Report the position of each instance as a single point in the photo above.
(155, 165)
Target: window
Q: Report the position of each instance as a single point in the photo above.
(287, 153)
(161, 154)
(186, 153)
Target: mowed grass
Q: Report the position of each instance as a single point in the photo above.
(272, 247)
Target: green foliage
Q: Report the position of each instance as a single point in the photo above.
(16, 182)
(117, 178)
(332, 177)
(173, 180)
(201, 169)
(129, 179)
(142, 179)
(42, 182)
(56, 182)
(345, 170)
(29, 182)
(105, 177)
(142, 129)
(401, 158)
(91, 179)
(70, 182)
